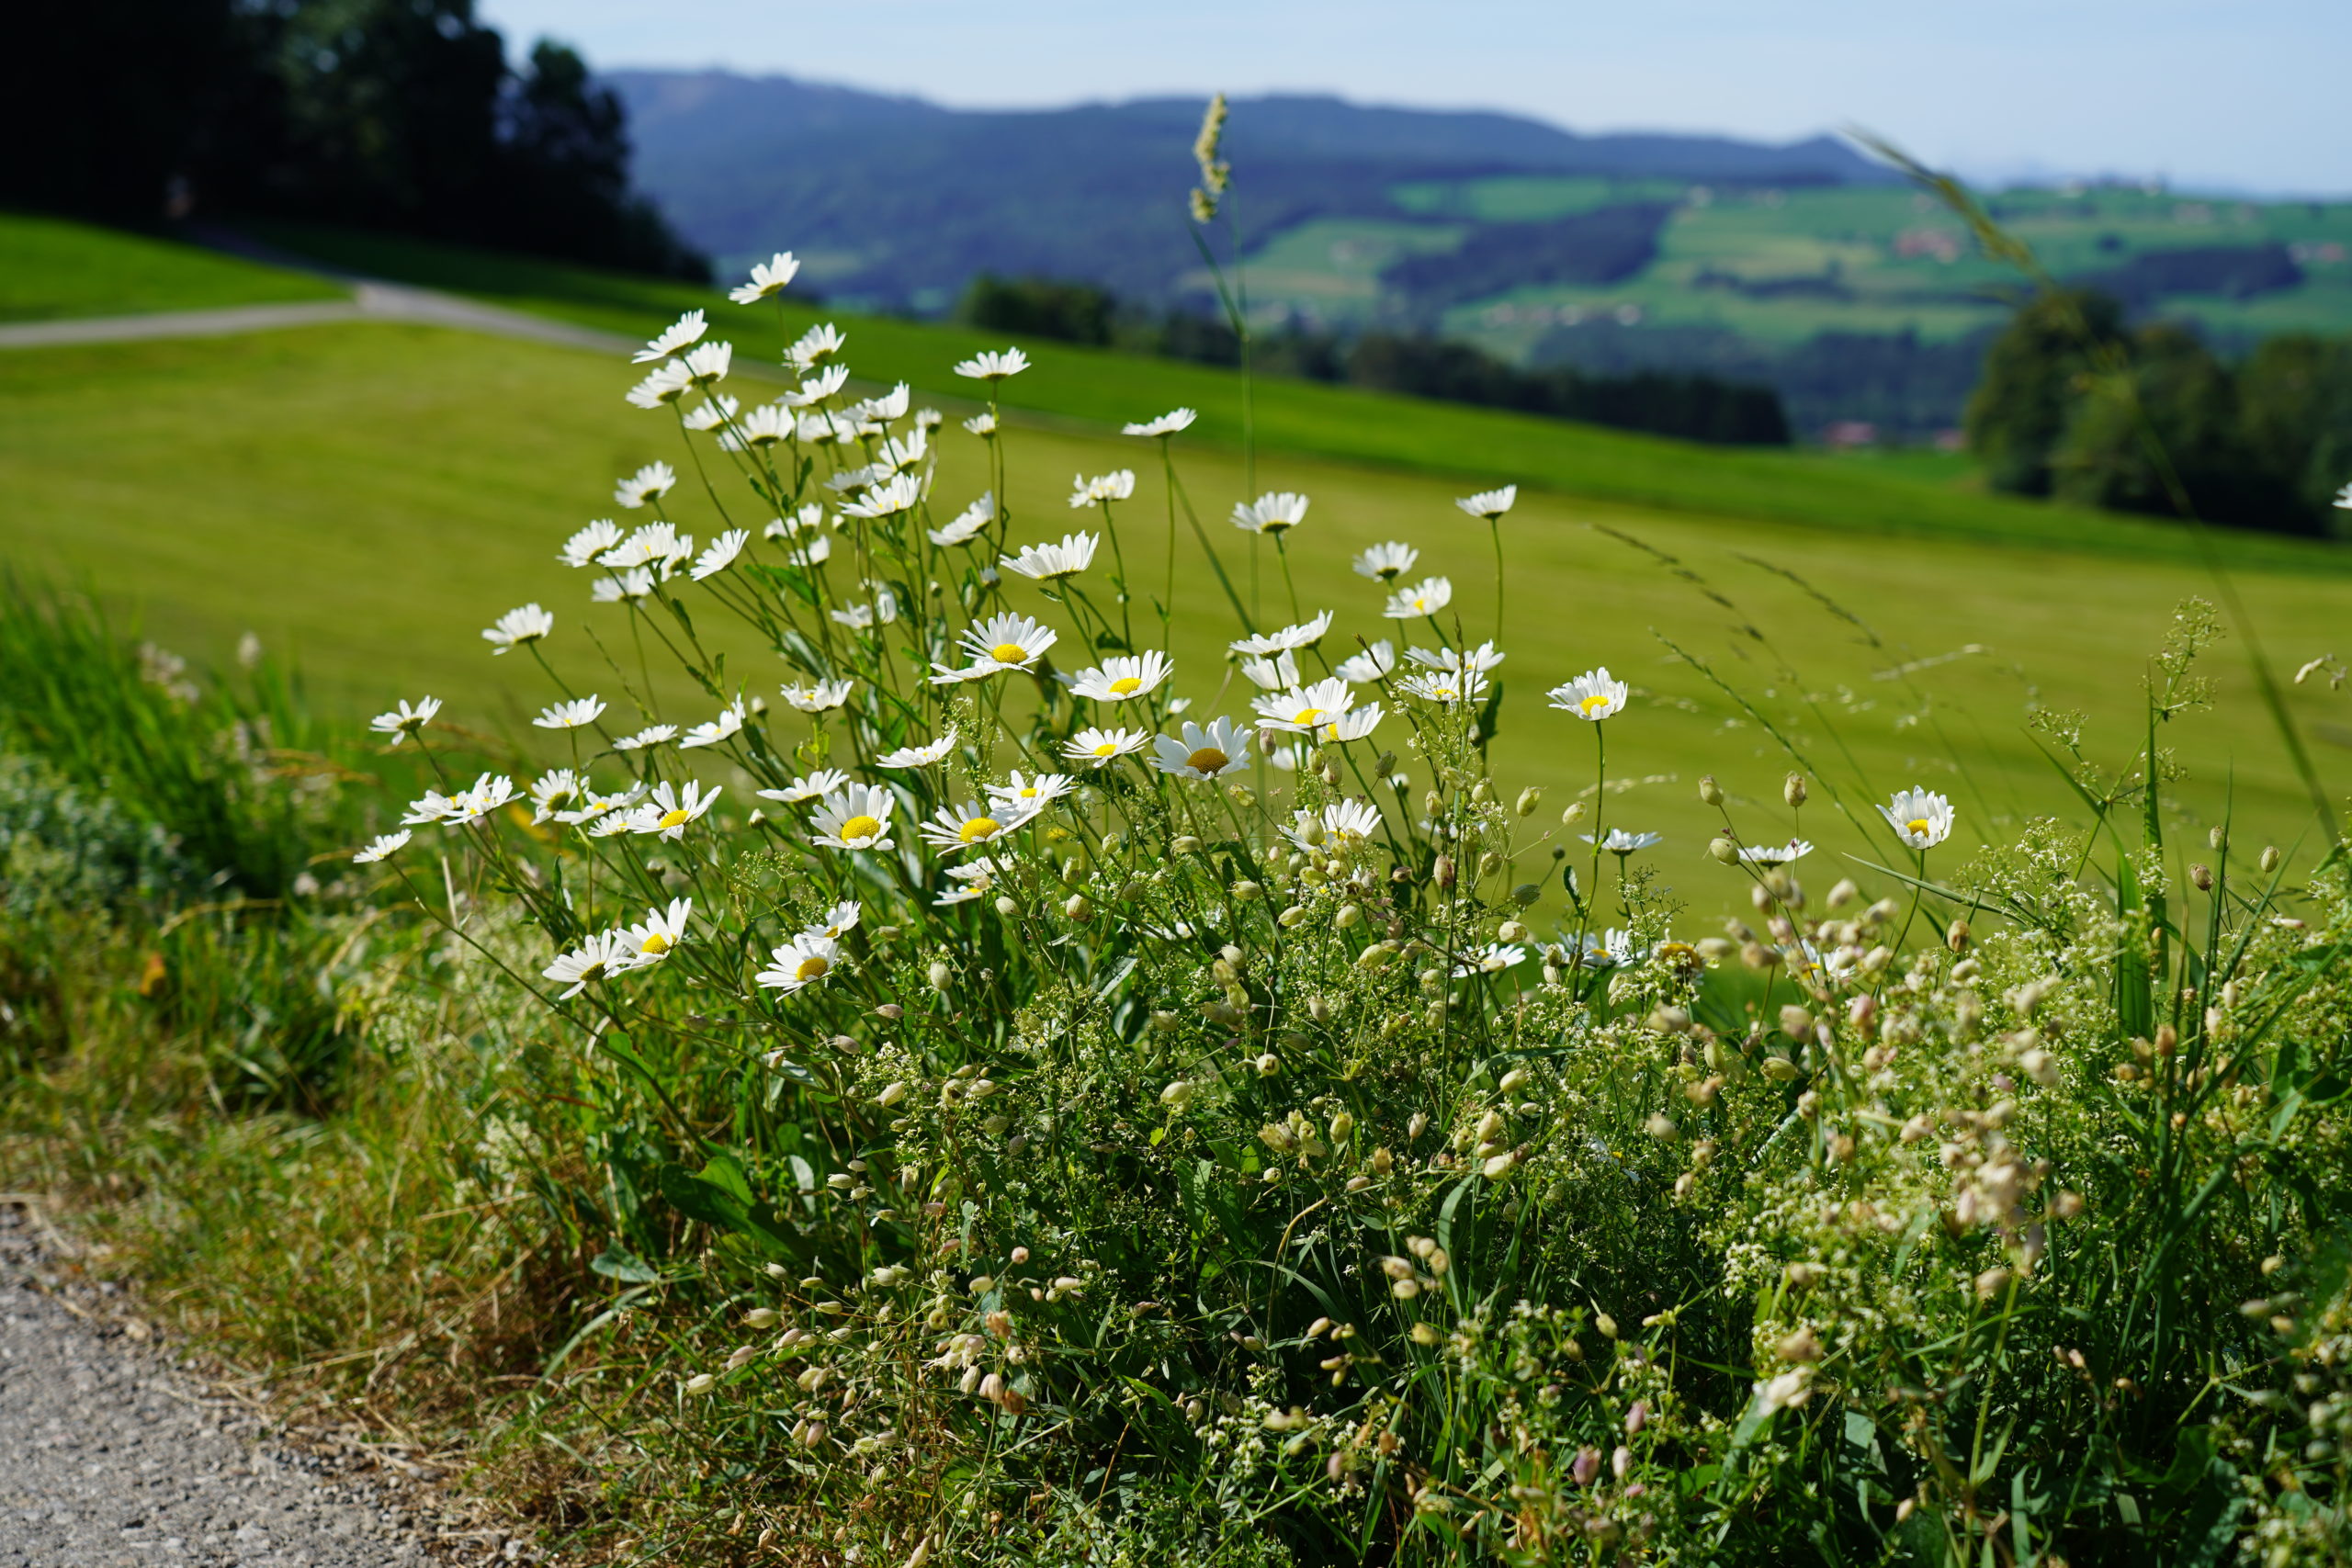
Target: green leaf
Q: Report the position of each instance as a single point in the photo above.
(617, 1263)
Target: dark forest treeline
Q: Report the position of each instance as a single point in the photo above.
(402, 115)
(2073, 395)
(1693, 407)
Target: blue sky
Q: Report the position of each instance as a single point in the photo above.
(2249, 94)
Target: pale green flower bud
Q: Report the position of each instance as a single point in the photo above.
(941, 977)
(1792, 790)
(701, 1382)
(1529, 799)
(1007, 905)
(1291, 919)
(1176, 1096)
(761, 1317)
(1710, 792)
(1572, 814)
(1185, 844)
(2270, 861)
(1349, 917)
(1725, 850)
(1246, 892)
(1079, 908)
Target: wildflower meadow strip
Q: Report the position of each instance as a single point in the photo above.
(1121, 1113)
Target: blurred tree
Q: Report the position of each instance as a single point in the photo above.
(2295, 400)
(2019, 411)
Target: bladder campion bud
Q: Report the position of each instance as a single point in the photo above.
(1385, 765)
(1342, 1124)
(1164, 1021)
(1443, 870)
(1349, 915)
(1079, 908)
(1291, 917)
(1725, 850)
(2269, 857)
(1185, 844)
(1844, 894)
(1383, 1162)
(2202, 878)
(1792, 790)
(1511, 930)
(1177, 1095)
(1246, 892)
(1956, 936)
(1007, 905)
(941, 977)
(1482, 792)
(1529, 799)
(1710, 792)
(1525, 893)
(1269, 1065)
(1572, 814)
(1319, 1008)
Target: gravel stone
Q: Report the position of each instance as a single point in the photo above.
(109, 1456)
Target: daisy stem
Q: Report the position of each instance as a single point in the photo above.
(1168, 599)
(1282, 552)
(1126, 626)
(1592, 878)
(1495, 531)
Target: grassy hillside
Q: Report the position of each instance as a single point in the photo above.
(374, 495)
(1099, 388)
(51, 269)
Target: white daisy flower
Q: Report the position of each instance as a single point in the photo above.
(891, 405)
(490, 792)
(840, 919)
(665, 383)
(1480, 659)
(1341, 825)
(954, 828)
(1117, 680)
(1776, 854)
(1385, 563)
(556, 792)
(670, 810)
(599, 956)
(2343, 498)
(857, 817)
(968, 524)
(583, 548)
(856, 617)
(721, 554)
(1008, 641)
(818, 697)
(1492, 959)
(1444, 686)
(655, 544)
(978, 878)
(1354, 724)
(805, 960)
(982, 426)
(600, 809)
(821, 429)
(1044, 563)
(1169, 424)
(822, 782)
(1618, 841)
(1920, 818)
(1279, 673)
(571, 715)
(1490, 505)
(381, 847)
(683, 333)
(901, 453)
(649, 940)
(729, 722)
(1426, 597)
(404, 721)
(993, 366)
(921, 756)
(1203, 750)
(707, 363)
(1301, 712)
(1307, 634)
(815, 389)
(810, 552)
(1100, 748)
(763, 428)
(430, 807)
(1117, 485)
(819, 343)
(626, 588)
(899, 492)
(1373, 664)
(713, 412)
(649, 482)
(1275, 512)
(768, 279)
(958, 675)
(1609, 951)
(652, 735)
(1592, 696)
(1032, 794)
(517, 627)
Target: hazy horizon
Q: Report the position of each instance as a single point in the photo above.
(2226, 99)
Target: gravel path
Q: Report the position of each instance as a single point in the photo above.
(370, 300)
(109, 1455)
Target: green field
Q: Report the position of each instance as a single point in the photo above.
(371, 495)
(51, 268)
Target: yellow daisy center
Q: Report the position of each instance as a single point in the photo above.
(978, 828)
(1597, 700)
(1125, 685)
(861, 828)
(678, 818)
(1306, 715)
(1207, 760)
(813, 967)
(1918, 825)
(1421, 602)
(1108, 748)
(656, 942)
(1008, 653)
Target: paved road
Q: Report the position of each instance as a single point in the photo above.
(109, 1456)
(369, 301)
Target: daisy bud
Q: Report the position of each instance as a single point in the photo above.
(1792, 790)
(1443, 870)
(1956, 936)
(1079, 908)
(1349, 915)
(2269, 858)
(1844, 894)
(1725, 850)
(1185, 844)
(1572, 814)
(1710, 792)
(941, 977)
(1529, 799)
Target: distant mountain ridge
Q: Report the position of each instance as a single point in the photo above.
(896, 202)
